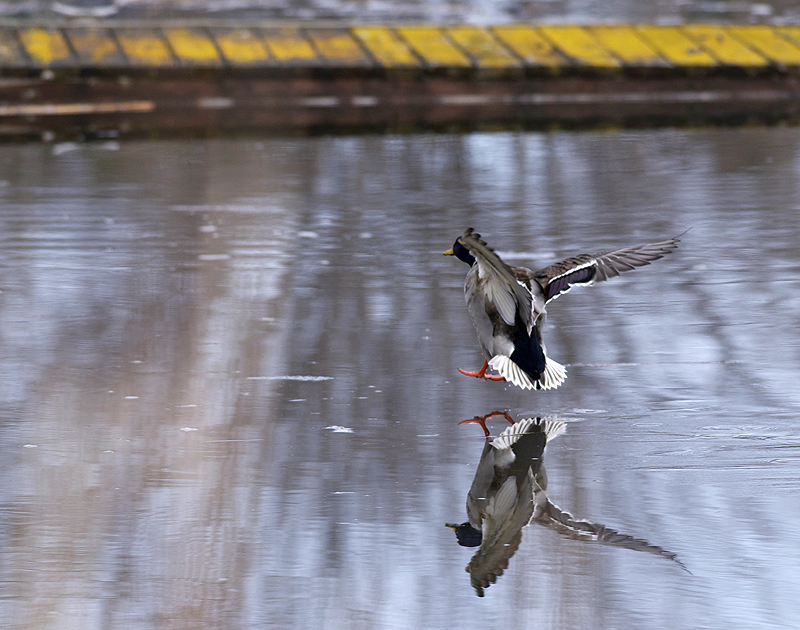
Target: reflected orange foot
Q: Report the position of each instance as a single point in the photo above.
(482, 373)
(481, 420)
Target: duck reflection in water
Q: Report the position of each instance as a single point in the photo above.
(510, 491)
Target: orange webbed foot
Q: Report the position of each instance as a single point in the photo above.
(481, 420)
(482, 373)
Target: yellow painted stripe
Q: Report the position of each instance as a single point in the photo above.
(192, 46)
(338, 47)
(676, 46)
(790, 33)
(482, 46)
(46, 46)
(241, 47)
(626, 44)
(430, 43)
(290, 47)
(144, 47)
(531, 46)
(766, 41)
(10, 53)
(578, 43)
(95, 46)
(386, 46)
(460, 46)
(726, 48)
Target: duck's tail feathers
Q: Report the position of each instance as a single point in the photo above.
(510, 371)
(550, 426)
(514, 433)
(553, 375)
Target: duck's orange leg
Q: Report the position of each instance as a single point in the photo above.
(482, 373)
(481, 420)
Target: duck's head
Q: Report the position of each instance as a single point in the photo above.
(461, 252)
(466, 534)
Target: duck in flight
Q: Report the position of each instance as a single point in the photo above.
(507, 304)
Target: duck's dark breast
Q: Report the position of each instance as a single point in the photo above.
(528, 352)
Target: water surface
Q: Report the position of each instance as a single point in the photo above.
(434, 11)
(230, 397)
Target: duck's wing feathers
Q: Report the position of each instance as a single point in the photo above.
(485, 475)
(587, 269)
(567, 525)
(498, 282)
(508, 512)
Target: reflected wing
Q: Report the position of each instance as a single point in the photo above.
(587, 269)
(502, 532)
(564, 523)
(497, 282)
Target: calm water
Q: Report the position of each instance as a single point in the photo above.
(230, 399)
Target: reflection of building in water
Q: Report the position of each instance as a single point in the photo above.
(509, 491)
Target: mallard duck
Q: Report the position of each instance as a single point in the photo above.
(509, 491)
(500, 500)
(507, 304)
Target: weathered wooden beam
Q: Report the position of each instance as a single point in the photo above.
(182, 77)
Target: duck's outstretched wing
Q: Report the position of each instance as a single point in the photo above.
(587, 269)
(564, 523)
(506, 514)
(497, 281)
